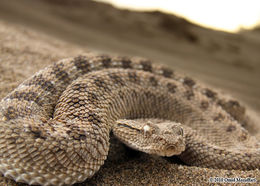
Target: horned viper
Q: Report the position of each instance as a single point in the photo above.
(55, 126)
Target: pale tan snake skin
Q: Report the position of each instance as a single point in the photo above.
(55, 126)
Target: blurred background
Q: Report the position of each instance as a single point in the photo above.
(231, 15)
(217, 42)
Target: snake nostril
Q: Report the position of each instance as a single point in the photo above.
(170, 147)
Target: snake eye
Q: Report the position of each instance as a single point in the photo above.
(147, 129)
(180, 132)
(150, 129)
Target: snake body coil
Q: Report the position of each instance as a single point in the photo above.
(55, 126)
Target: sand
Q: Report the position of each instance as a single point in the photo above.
(34, 34)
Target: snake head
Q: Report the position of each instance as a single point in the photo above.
(153, 136)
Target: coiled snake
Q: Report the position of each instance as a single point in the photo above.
(55, 126)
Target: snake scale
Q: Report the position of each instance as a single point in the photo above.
(55, 126)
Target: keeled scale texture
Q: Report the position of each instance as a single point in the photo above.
(55, 126)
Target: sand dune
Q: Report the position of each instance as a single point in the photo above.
(33, 34)
(228, 61)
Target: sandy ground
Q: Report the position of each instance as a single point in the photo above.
(34, 34)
